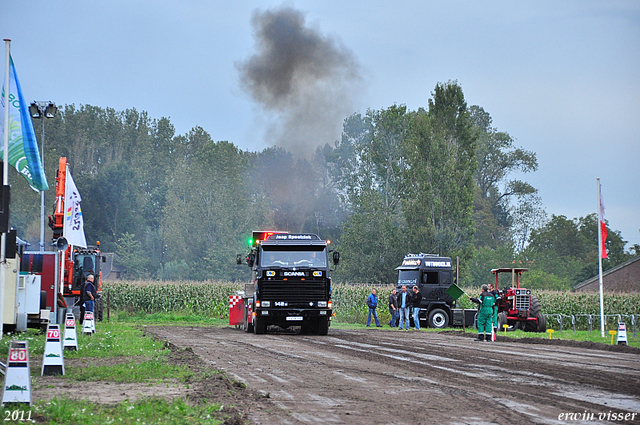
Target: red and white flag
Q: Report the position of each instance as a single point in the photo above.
(603, 229)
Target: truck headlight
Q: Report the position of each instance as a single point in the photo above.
(330, 304)
(271, 273)
(258, 304)
(322, 304)
(266, 303)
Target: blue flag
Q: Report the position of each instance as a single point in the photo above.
(23, 147)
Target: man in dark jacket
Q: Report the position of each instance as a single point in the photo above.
(393, 309)
(372, 303)
(89, 293)
(416, 299)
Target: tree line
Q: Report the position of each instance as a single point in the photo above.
(435, 180)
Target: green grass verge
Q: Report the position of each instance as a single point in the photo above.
(147, 411)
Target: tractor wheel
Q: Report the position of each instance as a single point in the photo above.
(502, 320)
(438, 319)
(535, 306)
(99, 309)
(259, 326)
(534, 312)
(542, 323)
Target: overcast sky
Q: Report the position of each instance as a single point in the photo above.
(562, 78)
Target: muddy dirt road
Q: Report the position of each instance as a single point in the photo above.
(399, 377)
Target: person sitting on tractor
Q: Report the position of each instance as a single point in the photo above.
(485, 314)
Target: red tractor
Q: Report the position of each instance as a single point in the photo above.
(518, 307)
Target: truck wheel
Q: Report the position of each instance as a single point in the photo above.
(259, 326)
(542, 323)
(323, 327)
(438, 319)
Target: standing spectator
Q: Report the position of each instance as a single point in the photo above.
(372, 302)
(404, 304)
(415, 302)
(393, 309)
(89, 291)
(496, 295)
(485, 313)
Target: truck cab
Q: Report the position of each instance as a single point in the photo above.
(432, 275)
(290, 283)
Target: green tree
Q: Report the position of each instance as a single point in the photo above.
(368, 166)
(438, 205)
(498, 158)
(132, 256)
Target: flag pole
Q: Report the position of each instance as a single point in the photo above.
(600, 259)
(5, 175)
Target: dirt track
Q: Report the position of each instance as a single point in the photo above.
(400, 377)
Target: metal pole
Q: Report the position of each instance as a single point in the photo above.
(42, 191)
(600, 261)
(5, 176)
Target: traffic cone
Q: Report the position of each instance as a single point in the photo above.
(17, 378)
(53, 360)
(622, 334)
(70, 334)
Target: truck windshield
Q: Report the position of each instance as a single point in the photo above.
(408, 277)
(293, 257)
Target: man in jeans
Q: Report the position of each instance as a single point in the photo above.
(404, 304)
(393, 309)
(415, 301)
(372, 302)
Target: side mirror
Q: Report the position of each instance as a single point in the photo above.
(336, 258)
(238, 258)
(251, 259)
(104, 259)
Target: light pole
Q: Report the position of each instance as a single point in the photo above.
(42, 110)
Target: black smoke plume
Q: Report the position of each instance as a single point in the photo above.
(304, 80)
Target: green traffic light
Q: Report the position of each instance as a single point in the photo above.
(250, 241)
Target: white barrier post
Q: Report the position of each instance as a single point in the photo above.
(17, 379)
(70, 334)
(88, 327)
(622, 334)
(53, 360)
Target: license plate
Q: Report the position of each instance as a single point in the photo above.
(294, 318)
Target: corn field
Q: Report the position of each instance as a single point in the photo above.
(211, 299)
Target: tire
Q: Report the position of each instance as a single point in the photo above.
(259, 326)
(542, 323)
(502, 320)
(99, 309)
(43, 300)
(535, 306)
(323, 327)
(438, 319)
(247, 326)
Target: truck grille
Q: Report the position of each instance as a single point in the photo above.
(523, 302)
(293, 292)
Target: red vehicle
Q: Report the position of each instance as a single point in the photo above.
(518, 307)
(77, 262)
